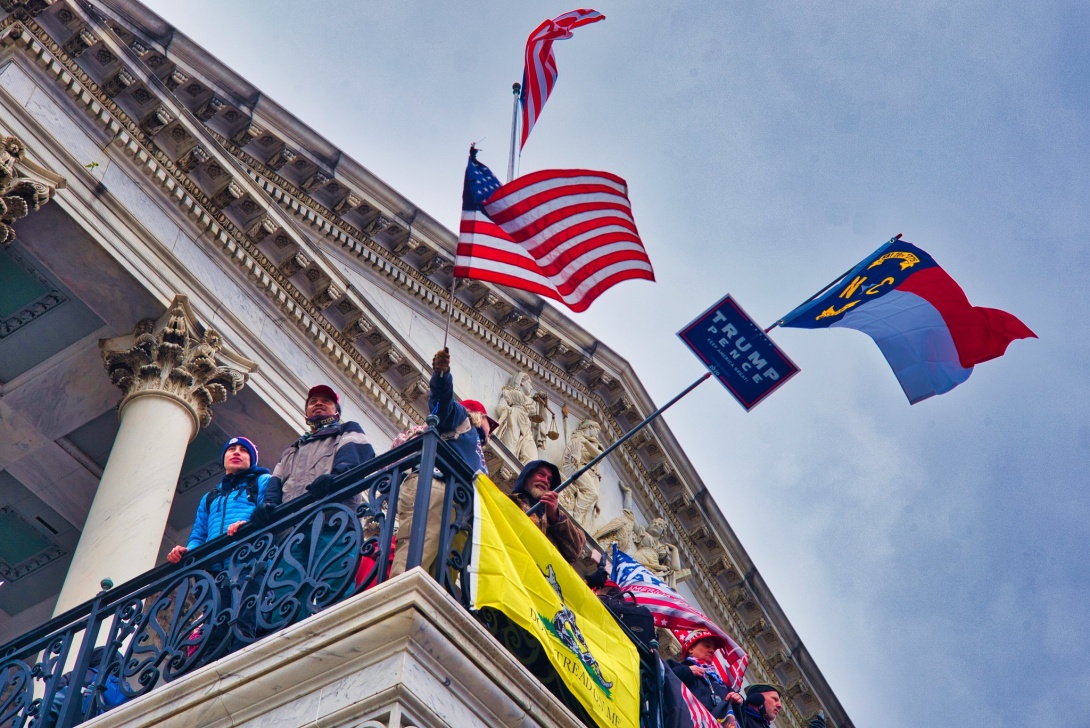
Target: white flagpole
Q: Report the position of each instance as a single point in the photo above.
(516, 89)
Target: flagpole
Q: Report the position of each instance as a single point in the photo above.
(450, 309)
(516, 89)
(832, 283)
(578, 473)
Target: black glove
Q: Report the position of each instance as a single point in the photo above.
(262, 515)
(441, 361)
(818, 721)
(322, 486)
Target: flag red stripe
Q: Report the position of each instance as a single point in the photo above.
(555, 238)
(540, 70)
(570, 281)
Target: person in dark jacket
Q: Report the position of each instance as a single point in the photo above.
(231, 505)
(761, 707)
(697, 672)
(537, 483)
(330, 448)
(466, 426)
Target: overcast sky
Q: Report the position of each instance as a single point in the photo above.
(933, 558)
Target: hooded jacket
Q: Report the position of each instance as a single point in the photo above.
(228, 503)
(334, 449)
(565, 534)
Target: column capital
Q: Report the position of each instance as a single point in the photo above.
(178, 359)
(24, 186)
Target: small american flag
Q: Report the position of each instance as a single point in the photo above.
(565, 234)
(673, 612)
(540, 74)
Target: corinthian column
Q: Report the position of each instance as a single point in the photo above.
(170, 376)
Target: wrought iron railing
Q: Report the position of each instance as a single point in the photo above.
(231, 592)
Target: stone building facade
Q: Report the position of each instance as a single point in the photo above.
(156, 202)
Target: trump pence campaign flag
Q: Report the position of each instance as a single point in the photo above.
(920, 318)
(516, 570)
(673, 611)
(567, 234)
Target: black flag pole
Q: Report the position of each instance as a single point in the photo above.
(832, 283)
(578, 473)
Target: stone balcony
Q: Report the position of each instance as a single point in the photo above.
(402, 654)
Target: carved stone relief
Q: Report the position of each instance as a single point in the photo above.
(644, 544)
(175, 361)
(20, 196)
(580, 499)
(518, 410)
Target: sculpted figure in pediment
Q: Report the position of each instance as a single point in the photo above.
(580, 499)
(644, 544)
(517, 411)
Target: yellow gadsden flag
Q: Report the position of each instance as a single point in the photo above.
(516, 570)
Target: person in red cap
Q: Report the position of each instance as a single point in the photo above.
(330, 448)
(465, 426)
(697, 672)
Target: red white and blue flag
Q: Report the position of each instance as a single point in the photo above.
(681, 709)
(920, 318)
(567, 234)
(673, 611)
(540, 74)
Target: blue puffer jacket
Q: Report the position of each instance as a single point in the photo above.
(228, 503)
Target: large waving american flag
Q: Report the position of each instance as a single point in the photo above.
(674, 612)
(567, 234)
(540, 74)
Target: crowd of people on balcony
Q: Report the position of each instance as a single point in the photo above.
(249, 493)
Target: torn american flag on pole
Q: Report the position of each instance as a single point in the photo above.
(567, 234)
(540, 74)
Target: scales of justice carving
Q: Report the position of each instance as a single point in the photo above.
(526, 421)
(525, 418)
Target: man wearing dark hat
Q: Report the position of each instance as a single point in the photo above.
(537, 483)
(465, 426)
(330, 448)
(232, 504)
(761, 707)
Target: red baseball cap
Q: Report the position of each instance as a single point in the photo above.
(324, 390)
(473, 405)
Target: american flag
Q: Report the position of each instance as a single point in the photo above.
(540, 74)
(567, 234)
(673, 612)
(682, 707)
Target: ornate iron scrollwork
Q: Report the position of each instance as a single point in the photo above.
(16, 691)
(168, 632)
(313, 567)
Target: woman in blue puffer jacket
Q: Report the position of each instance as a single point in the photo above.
(232, 504)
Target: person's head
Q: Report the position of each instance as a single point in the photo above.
(536, 478)
(478, 416)
(703, 650)
(238, 455)
(766, 700)
(322, 403)
(700, 644)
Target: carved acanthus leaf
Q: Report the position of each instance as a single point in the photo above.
(177, 361)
